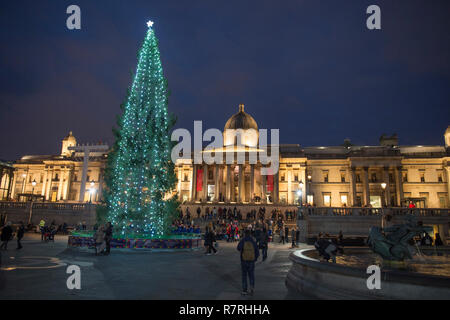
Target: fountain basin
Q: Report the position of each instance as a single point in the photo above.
(325, 280)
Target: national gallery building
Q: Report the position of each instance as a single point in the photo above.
(337, 176)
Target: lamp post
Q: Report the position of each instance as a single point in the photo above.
(31, 202)
(383, 186)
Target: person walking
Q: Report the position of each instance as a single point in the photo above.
(249, 254)
(99, 237)
(6, 235)
(108, 237)
(281, 235)
(19, 235)
(293, 233)
(264, 243)
(209, 241)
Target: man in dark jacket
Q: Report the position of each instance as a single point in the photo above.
(249, 254)
(6, 235)
(264, 243)
(20, 233)
(209, 241)
(108, 237)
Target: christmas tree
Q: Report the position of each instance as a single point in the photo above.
(140, 175)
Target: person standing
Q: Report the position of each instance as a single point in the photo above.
(264, 243)
(249, 254)
(286, 233)
(42, 228)
(108, 237)
(20, 233)
(100, 243)
(6, 235)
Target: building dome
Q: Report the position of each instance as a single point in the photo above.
(241, 120)
(245, 122)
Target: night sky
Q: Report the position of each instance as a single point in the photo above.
(310, 68)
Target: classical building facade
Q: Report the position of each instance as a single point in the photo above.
(338, 176)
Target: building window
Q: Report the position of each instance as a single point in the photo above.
(185, 177)
(358, 178)
(296, 177)
(210, 175)
(422, 177)
(282, 177)
(327, 200)
(342, 176)
(373, 177)
(344, 200)
(440, 177)
(325, 177)
(391, 178)
(310, 199)
(405, 177)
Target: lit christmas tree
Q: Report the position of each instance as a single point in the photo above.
(140, 175)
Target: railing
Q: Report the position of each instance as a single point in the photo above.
(359, 211)
(45, 206)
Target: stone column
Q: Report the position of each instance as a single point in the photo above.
(194, 182)
(240, 183)
(205, 183)
(180, 179)
(399, 185)
(448, 183)
(366, 186)
(228, 184)
(252, 183)
(44, 183)
(387, 192)
(100, 183)
(60, 185)
(49, 184)
(83, 175)
(263, 186)
(352, 175)
(216, 182)
(13, 190)
(289, 190)
(303, 178)
(10, 182)
(276, 188)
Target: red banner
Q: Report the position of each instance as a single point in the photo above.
(270, 183)
(199, 179)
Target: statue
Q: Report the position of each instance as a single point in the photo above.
(392, 243)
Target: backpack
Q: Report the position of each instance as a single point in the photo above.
(248, 251)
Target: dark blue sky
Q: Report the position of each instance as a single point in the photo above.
(310, 68)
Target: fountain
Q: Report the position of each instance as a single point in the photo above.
(407, 271)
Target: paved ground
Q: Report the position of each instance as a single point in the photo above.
(38, 271)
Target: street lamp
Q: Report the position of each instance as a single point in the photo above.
(34, 185)
(383, 186)
(31, 202)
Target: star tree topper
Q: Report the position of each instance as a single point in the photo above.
(149, 23)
